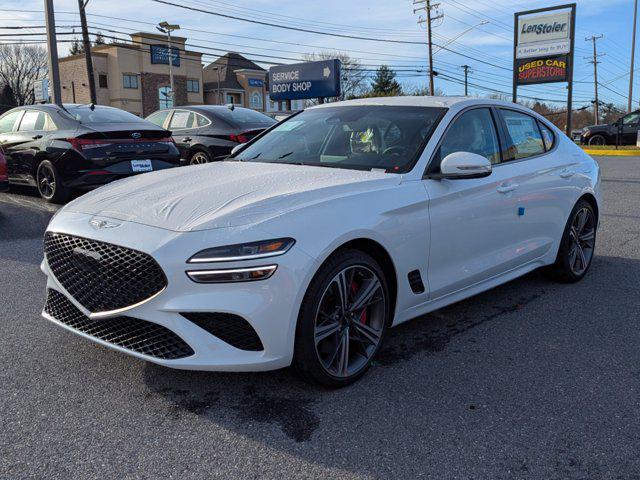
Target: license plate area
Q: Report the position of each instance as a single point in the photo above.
(138, 166)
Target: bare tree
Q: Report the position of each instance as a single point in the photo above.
(20, 67)
(354, 77)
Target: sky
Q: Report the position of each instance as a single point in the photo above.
(478, 33)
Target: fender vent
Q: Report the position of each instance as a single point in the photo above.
(415, 281)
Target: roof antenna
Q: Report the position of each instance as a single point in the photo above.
(92, 107)
(231, 106)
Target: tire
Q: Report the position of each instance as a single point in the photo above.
(199, 157)
(597, 140)
(50, 184)
(361, 328)
(575, 257)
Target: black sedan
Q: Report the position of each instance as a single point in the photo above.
(205, 132)
(59, 149)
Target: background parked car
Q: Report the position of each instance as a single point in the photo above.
(623, 131)
(205, 132)
(79, 146)
(4, 179)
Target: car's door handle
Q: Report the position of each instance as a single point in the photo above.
(567, 173)
(186, 139)
(507, 187)
(37, 137)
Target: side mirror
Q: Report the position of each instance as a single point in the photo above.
(460, 165)
(235, 149)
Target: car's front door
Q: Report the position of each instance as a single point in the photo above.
(471, 220)
(630, 127)
(9, 139)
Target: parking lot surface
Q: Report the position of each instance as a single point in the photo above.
(529, 380)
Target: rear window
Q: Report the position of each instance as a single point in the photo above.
(100, 114)
(241, 116)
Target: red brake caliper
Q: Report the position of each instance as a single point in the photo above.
(363, 317)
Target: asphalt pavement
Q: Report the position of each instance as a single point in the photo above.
(531, 380)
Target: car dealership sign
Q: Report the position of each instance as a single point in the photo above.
(543, 42)
(305, 80)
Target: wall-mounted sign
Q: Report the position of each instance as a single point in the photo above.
(160, 55)
(305, 80)
(542, 70)
(256, 82)
(41, 92)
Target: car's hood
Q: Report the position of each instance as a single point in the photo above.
(598, 128)
(223, 194)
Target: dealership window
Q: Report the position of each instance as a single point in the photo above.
(526, 140)
(255, 101)
(164, 97)
(193, 86)
(129, 80)
(102, 80)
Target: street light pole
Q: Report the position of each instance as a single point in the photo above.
(166, 27)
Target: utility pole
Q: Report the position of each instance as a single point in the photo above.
(166, 27)
(428, 6)
(633, 52)
(82, 4)
(595, 62)
(466, 79)
(54, 72)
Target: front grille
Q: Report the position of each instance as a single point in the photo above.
(131, 333)
(101, 276)
(229, 328)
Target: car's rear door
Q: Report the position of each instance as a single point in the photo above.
(544, 173)
(471, 220)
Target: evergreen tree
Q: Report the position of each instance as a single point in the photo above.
(76, 47)
(99, 40)
(385, 83)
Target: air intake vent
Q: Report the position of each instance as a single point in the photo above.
(415, 281)
(133, 334)
(232, 329)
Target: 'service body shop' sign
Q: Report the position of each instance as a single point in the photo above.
(305, 80)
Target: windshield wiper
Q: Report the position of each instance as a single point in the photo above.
(285, 155)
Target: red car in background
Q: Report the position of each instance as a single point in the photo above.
(4, 177)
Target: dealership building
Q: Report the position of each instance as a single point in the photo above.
(135, 76)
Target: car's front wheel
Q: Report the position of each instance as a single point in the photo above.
(577, 245)
(50, 184)
(343, 320)
(597, 140)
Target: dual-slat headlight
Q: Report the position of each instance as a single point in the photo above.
(236, 253)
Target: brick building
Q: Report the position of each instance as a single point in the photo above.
(135, 76)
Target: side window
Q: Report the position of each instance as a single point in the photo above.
(474, 131)
(8, 120)
(631, 119)
(32, 120)
(547, 136)
(181, 119)
(201, 120)
(526, 140)
(159, 117)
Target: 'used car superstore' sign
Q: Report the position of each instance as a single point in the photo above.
(542, 70)
(305, 80)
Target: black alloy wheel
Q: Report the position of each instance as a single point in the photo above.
(343, 320)
(199, 157)
(49, 183)
(577, 246)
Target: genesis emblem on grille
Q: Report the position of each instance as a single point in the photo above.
(99, 224)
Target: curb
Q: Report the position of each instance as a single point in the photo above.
(613, 153)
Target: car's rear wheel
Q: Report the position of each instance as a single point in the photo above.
(342, 320)
(50, 184)
(598, 140)
(577, 246)
(199, 157)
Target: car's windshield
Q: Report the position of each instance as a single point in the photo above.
(361, 137)
(100, 114)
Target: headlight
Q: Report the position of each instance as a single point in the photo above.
(232, 275)
(244, 251)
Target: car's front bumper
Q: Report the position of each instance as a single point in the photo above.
(270, 306)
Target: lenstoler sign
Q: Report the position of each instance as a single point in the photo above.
(305, 80)
(548, 34)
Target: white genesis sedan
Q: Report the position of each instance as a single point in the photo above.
(312, 240)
